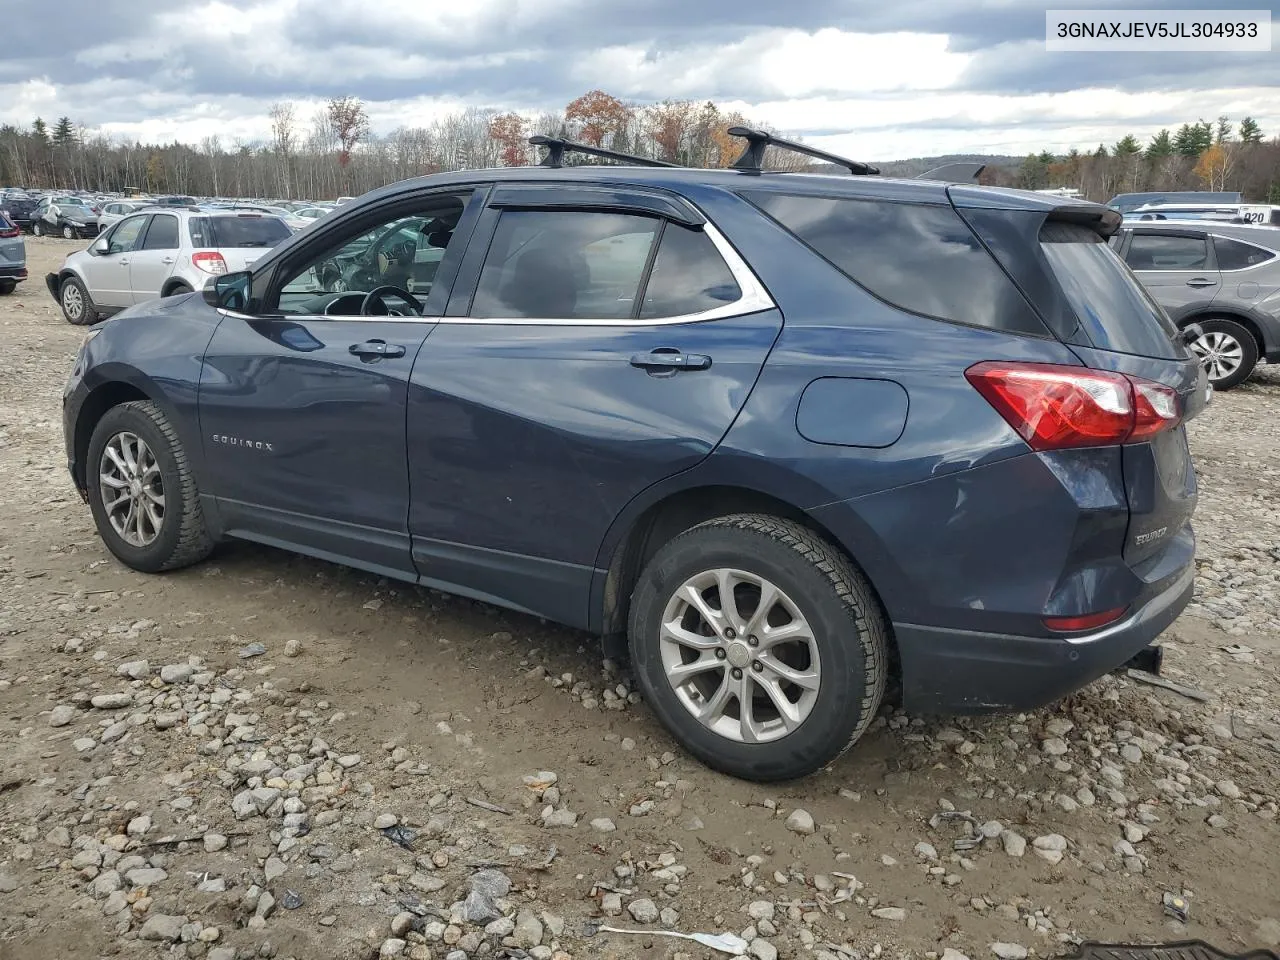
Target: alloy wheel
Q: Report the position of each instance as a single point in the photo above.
(72, 301)
(132, 489)
(1220, 353)
(740, 656)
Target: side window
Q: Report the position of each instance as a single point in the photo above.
(162, 234)
(918, 257)
(1158, 251)
(403, 251)
(565, 264)
(1237, 255)
(125, 236)
(688, 276)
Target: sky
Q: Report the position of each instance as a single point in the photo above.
(873, 79)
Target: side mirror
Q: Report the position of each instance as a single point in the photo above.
(99, 247)
(229, 291)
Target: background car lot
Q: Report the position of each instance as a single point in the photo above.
(476, 699)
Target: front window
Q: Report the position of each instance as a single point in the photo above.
(125, 236)
(403, 253)
(1155, 251)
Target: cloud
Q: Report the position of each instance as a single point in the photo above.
(878, 79)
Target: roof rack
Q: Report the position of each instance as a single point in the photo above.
(557, 147)
(752, 159)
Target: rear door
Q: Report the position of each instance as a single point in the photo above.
(1177, 267)
(595, 343)
(153, 262)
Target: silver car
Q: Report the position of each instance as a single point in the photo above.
(13, 255)
(1222, 277)
(159, 253)
(113, 211)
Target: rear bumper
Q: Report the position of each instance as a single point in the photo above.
(14, 272)
(961, 671)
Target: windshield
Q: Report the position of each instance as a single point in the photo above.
(1114, 309)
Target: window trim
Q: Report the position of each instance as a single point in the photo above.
(1249, 243)
(753, 297)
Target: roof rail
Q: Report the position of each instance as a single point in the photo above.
(752, 159)
(557, 147)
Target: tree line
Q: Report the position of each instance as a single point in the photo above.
(334, 152)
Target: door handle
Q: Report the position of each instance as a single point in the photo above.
(670, 360)
(1201, 282)
(373, 349)
(123, 262)
(166, 260)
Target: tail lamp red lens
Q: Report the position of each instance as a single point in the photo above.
(210, 261)
(1058, 407)
(1089, 621)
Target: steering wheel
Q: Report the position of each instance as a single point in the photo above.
(377, 293)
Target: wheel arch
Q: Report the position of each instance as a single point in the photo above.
(174, 286)
(1236, 316)
(670, 515)
(114, 386)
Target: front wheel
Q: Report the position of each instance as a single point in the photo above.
(141, 490)
(68, 232)
(77, 308)
(37, 229)
(1227, 351)
(759, 646)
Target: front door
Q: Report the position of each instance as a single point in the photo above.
(601, 351)
(107, 273)
(1178, 269)
(302, 407)
(152, 263)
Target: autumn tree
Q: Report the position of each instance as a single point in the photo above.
(350, 125)
(600, 115)
(512, 132)
(1214, 166)
(668, 124)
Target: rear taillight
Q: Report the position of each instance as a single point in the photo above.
(8, 233)
(210, 261)
(1057, 407)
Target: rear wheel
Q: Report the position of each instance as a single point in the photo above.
(141, 490)
(759, 646)
(76, 305)
(7, 287)
(1227, 351)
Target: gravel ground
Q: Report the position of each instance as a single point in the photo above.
(271, 756)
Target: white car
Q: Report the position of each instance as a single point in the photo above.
(159, 252)
(113, 211)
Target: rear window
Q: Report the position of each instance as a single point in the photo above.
(1237, 255)
(918, 257)
(1113, 308)
(237, 231)
(1163, 251)
(688, 276)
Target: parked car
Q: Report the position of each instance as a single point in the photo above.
(158, 252)
(19, 208)
(959, 460)
(1127, 202)
(113, 211)
(1222, 277)
(65, 215)
(178, 201)
(13, 256)
(1256, 213)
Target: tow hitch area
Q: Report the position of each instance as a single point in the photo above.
(1182, 950)
(1148, 660)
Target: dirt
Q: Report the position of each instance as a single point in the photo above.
(477, 698)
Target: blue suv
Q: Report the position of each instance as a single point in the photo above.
(797, 438)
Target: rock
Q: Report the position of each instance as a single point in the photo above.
(59, 837)
(502, 927)
(212, 885)
(890, 913)
(487, 887)
(926, 851)
(528, 930)
(83, 744)
(560, 818)
(292, 647)
(1050, 848)
(138, 826)
(8, 882)
(160, 926)
(242, 805)
(385, 821)
(603, 825)
(114, 903)
(221, 953)
(1009, 951)
(1268, 931)
(112, 701)
(611, 904)
(1227, 789)
(643, 910)
(62, 714)
(145, 876)
(992, 829)
(105, 883)
(801, 822)
(134, 669)
(1131, 752)
(177, 672)
(213, 842)
(1054, 746)
(274, 869)
(553, 923)
(1015, 845)
(950, 954)
(392, 947)
(762, 949)
(760, 910)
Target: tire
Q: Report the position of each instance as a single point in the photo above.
(1227, 351)
(77, 306)
(7, 287)
(844, 657)
(37, 228)
(182, 537)
(68, 232)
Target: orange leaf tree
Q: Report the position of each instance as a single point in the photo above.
(600, 115)
(510, 130)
